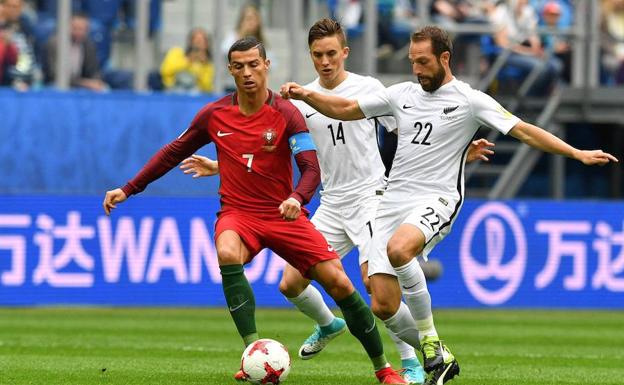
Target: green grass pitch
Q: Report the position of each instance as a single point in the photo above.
(85, 346)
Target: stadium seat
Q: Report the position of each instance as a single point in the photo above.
(490, 51)
(154, 15)
(48, 8)
(154, 81)
(105, 11)
(42, 30)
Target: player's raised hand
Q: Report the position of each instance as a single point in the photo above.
(595, 157)
(479, 150)
(290, 209)
(112, 198)
(292, 90)
(199, 166)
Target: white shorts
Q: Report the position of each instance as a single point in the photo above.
(433, 216)
(346, 227)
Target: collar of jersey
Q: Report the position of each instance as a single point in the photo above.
(269, 101)
(335, 89)
(441, 89)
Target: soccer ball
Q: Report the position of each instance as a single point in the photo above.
(265, 361)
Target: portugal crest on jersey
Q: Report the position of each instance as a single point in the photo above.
(269, 136)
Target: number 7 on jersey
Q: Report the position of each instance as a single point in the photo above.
(249, 158)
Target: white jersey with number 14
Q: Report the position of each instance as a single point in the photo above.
(351, 166)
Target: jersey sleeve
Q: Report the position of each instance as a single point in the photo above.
(192, 139)
(389, 122)
(490, 113)
(375, 104)
(299, 105)
(310, 178)
(302, 147)
(294, 120)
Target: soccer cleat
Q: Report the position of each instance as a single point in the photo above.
(389, 376)
(413, 374)
(319, 339)
(440, 364)
(240, 376)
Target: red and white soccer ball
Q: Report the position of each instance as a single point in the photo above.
(265, 361)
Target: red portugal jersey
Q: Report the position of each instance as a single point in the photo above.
(253, 151)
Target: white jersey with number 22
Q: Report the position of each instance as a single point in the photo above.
(435, 132)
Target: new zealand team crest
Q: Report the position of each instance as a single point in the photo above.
(270, 137)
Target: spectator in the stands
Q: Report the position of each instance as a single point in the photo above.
(515, 24)
(449, 12)
(20, 32)
(557, 44)
(612, 36)
(349, 12)
(249, 24)
(190, 69)
(8, 54)
(566, 7)
(83, 62)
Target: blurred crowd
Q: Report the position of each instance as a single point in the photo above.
(533, 31)
(28, 42)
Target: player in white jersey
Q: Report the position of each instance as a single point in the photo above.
(437, 119)
(353, 179)
(352, 175)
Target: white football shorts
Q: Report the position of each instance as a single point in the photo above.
(347, 227)
(432, 215)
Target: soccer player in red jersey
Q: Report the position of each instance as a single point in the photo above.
(255, 133)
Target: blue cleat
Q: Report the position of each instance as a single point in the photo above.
(321, 337)
(413, 374)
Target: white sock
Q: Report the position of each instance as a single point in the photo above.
(310, 302)
(403, 326)
(414, 288)
(406, 351)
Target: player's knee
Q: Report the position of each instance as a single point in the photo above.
(400, 253)
(291, 289)
(340, 287)
(382, 309)
(228, 256)
(285, 288)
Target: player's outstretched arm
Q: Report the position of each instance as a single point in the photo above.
(479, 150)
(328, 105)
(111, 199)
(199, 166)
(545, 141)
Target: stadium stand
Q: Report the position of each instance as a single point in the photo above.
(114, 20)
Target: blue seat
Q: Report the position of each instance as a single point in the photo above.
(42, 30)
(154, 15)
(490, 50)
(332, 7)
(101, 35)
(105, 11)
(48, 8)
